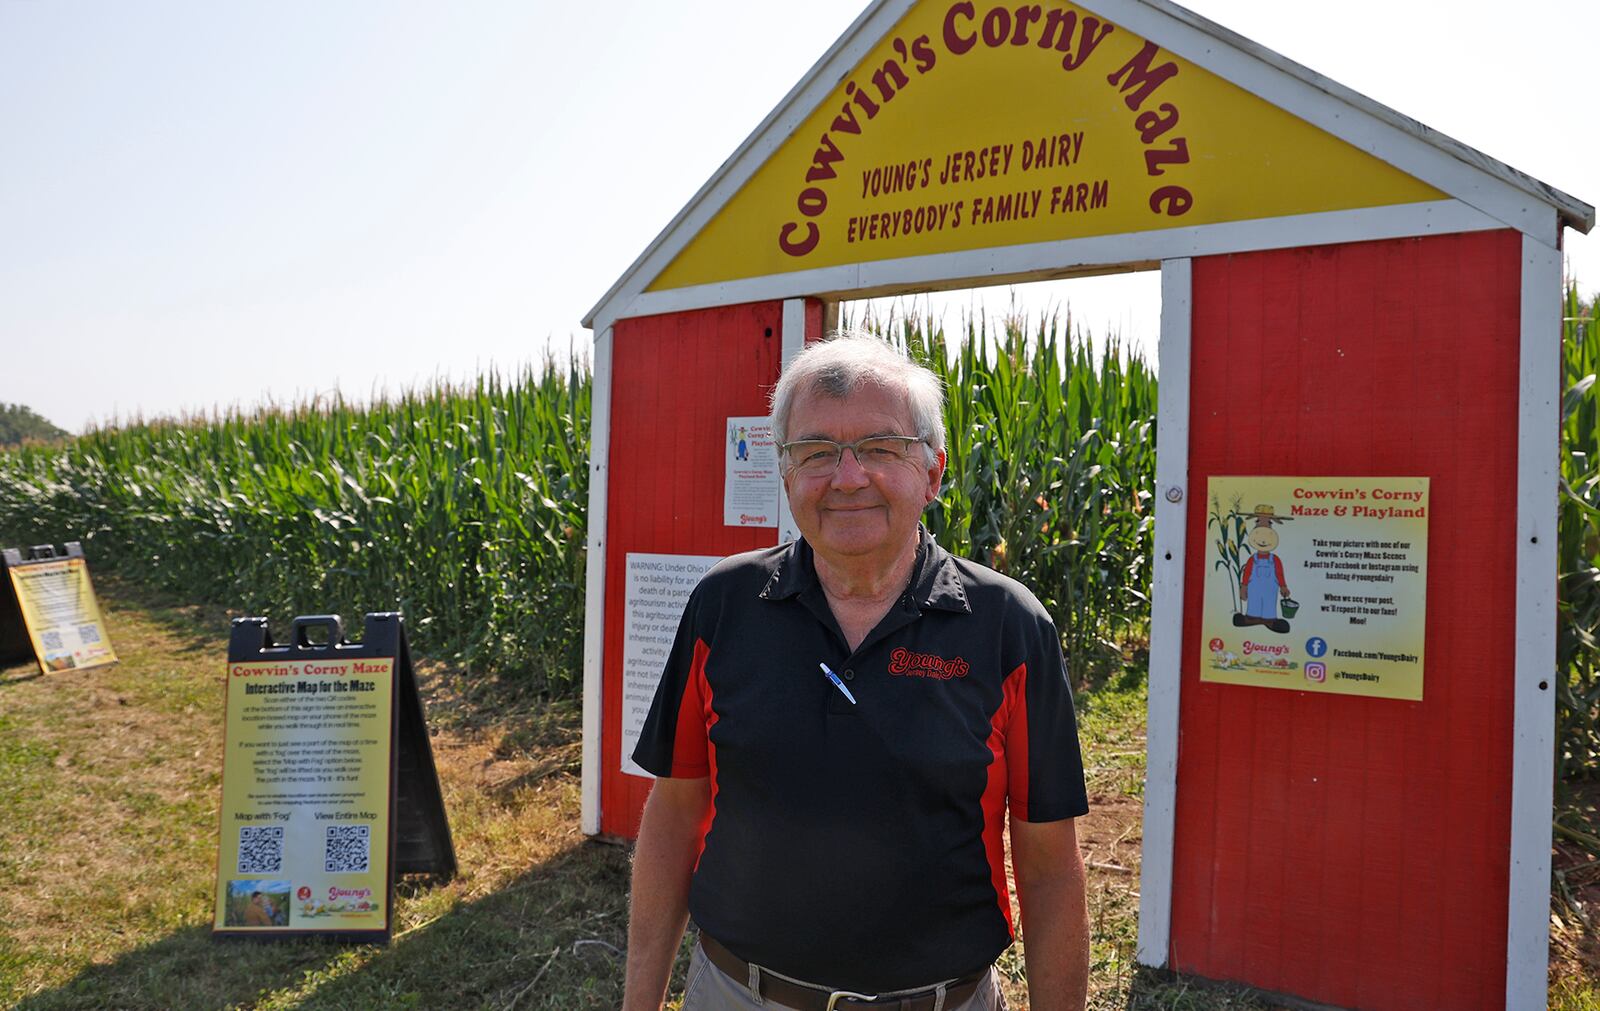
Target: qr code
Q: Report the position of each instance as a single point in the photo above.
(260, 849)
(348, 849)
(88, 634)
(50, 640)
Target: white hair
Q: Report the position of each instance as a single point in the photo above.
(849, 360)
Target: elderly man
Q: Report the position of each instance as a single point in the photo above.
(842, 725)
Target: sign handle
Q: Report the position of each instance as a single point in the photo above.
(303, 624)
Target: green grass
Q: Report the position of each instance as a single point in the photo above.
(111, 782)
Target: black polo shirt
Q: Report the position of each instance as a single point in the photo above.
(859, 845)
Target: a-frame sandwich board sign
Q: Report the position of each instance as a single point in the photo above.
(48, 610)
(329, 789)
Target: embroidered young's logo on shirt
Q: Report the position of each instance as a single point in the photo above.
(904, 663)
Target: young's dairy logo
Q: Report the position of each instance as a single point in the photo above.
(348, 893)
(904, 663)
(1270, 649)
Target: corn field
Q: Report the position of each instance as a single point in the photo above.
(465, 507)
(1578, 548)
(461, 507)
(1052, 466)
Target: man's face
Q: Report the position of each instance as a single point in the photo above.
(854, 512)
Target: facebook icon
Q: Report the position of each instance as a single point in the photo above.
(1316, 646)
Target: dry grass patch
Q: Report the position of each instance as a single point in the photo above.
(101, 836)
(110, 780)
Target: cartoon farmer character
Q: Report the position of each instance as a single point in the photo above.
(744, 447)
(1261, 580)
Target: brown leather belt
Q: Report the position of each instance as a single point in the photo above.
(810, 998)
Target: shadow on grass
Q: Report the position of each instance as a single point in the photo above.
(11, 676)
(460, 700)
(1164, 990)
(195, 627)
(550, 939)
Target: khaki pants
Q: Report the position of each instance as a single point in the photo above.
(711, 989)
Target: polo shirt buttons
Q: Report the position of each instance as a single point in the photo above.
(849, 675)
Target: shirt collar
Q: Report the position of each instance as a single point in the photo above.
(936, 582)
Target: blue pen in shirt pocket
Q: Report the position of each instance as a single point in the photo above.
(836, 682)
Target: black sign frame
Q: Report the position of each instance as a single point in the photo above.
(419, 836)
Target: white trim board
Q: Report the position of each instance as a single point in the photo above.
(1533, 695)
(594, 603)
(1166, 616)
(794, 339)
(1462, 172)
(1511, 197)
(1068, 257)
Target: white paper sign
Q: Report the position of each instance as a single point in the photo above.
(658, 588)
(751, 485)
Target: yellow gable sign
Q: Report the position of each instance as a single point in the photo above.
(972, 126)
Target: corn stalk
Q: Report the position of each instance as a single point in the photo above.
(462, 507)
(1578, 548)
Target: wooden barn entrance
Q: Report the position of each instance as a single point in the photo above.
(1347, 297)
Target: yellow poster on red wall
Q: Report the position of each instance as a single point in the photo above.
(306, 788)
(977, 125)
(61, 614)
(1316, 584)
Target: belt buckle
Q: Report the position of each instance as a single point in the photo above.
(838, 995)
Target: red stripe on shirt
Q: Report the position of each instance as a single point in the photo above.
(689, 741)
(1008, 731)
(1017, 765)
(693, 754)
(701, 653)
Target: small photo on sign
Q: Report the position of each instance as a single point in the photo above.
(256, 902)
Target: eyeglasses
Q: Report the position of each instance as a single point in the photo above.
(875, 453)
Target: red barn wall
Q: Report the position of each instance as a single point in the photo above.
(675, 380)
(1349, 850)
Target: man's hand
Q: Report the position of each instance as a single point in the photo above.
(1055, 914)
(663, 861)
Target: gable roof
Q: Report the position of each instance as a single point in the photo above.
(1574, 213)
(1400, 160)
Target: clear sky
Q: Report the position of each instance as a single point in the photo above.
(211, 204)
